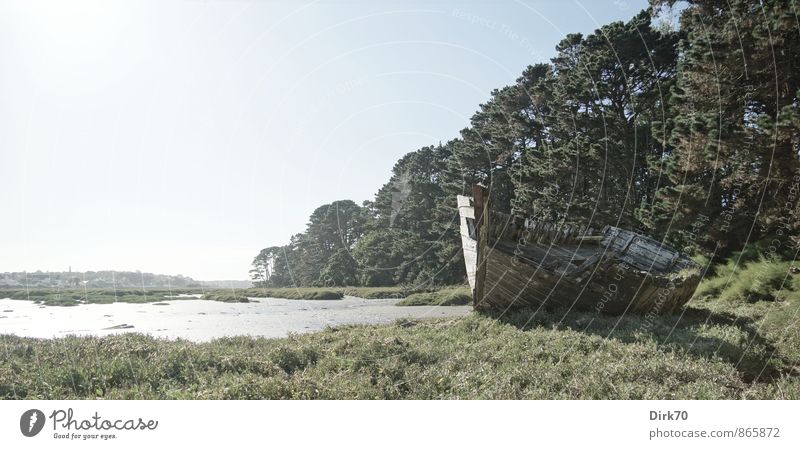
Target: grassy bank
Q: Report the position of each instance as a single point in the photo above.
(74, 297)
(723, 346)
(295, 293)
(56, 297)
(423, 296)
(444, 297)
(379, 292)
(744, 352)
(242, 295)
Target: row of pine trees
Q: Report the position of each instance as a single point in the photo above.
(686, 132)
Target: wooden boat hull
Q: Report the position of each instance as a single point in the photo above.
(517, 263)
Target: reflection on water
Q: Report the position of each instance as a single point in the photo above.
(200, 320)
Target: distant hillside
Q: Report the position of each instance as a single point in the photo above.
(96, 279)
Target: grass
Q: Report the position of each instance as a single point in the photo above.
(327, 293)
(242, 295)
(728, 346)
(296, 293)
(378, 292)
(55, 297)
(759, 280)
(765, 293)
(522, 355)
(445, 297)
(59, 297)
(225, 296)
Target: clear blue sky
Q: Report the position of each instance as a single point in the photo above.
(184, 136)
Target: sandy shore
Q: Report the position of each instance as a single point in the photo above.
(199, 320)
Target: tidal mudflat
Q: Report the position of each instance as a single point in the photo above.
(199, 320)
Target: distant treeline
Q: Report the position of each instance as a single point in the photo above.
(686, 132)
(95, 279)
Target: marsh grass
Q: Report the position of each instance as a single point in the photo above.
(226, 296)
(379, 292)
(523, 355)
(726, 347)
(320, 293)
(709, 352)
(444, 297)
(74, 297)
(295, 293)
(760, 280)
(242, 295)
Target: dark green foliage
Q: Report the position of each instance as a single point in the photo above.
(332, 232)
(264, 270)
(390, 257)
(408, 235)
(594, 155)
(690, 135)
(340, 270)
(732, 126)
(376, 252)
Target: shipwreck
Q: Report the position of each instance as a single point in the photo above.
(515, 262)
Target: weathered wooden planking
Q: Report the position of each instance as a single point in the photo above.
(508, 283)
(480, 198)
(523, 263)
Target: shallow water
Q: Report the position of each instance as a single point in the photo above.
(200, 320)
